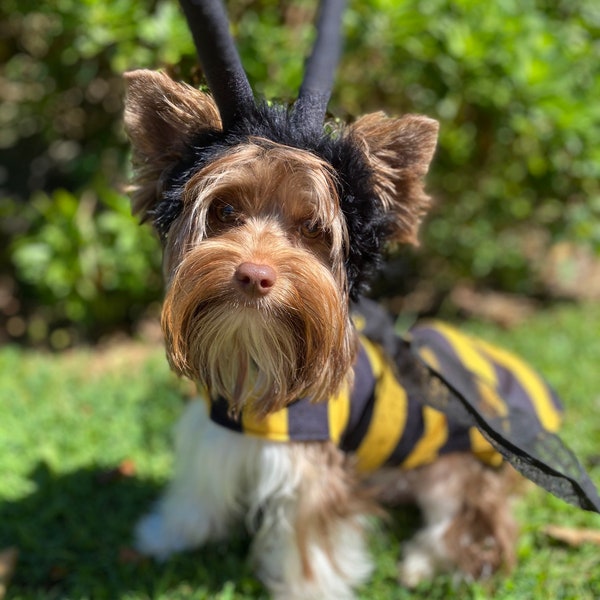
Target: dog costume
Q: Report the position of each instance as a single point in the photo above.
(387, 420)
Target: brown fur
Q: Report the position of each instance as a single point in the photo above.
(161, 116)
(400, 151)
(290, 343)
(329, 493)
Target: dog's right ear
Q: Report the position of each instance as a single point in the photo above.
(161, 118)
(399, 151)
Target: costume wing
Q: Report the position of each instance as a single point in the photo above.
(516, 410)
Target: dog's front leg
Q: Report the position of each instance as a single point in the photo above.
(205, 496)
(309, 522)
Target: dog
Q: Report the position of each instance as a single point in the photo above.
(272, 227)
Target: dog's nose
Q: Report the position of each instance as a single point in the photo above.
(255, 279)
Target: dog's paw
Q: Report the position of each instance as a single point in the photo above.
(175, 526)
(151, 537)
(417, 566)
(424, 556)
(154, 538)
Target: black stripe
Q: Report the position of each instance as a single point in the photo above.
(219, 414)
(450, 367)
(525, 422)
(308, 421)
(459, 439)
(361, 403)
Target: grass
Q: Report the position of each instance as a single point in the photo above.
(85, 448)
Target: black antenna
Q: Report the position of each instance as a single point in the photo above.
(311, 106)
(219, 58)
(227, 80)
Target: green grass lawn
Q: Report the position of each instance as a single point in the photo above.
(68, 501)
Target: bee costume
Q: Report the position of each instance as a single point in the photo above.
(426, 394)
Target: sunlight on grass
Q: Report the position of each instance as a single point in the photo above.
(85, 448)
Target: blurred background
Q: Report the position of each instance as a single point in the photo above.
(514, 83)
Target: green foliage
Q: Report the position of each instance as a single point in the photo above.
(84, 265)
(514, 85)
(81, 263)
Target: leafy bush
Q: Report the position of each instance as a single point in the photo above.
(77, 262)
(514, 85)
(85, 266)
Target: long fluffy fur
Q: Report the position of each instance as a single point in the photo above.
(291, 343)
(278, 491)
(273, 356)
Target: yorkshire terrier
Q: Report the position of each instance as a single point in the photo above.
(270, 233)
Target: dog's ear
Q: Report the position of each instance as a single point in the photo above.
(161, 118)
(399, 152)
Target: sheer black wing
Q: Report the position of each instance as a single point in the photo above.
(516, 410)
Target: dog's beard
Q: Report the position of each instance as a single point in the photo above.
(258, 353)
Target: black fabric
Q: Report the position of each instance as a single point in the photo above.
(219, 413)
(303, 416)
(361, 404)
(311, 106)
(219, 58)
(538, 454)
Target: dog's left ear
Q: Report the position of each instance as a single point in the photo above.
(399, 152)
(162, 117)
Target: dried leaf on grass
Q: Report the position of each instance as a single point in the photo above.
(129, 555)
(571, 536)
(8, 562)
(124, 470)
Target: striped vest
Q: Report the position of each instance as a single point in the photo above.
(382, 424)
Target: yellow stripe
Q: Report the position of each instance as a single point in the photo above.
(273, 427)
(477, 363)
(435, 435)
(389, 414)
(359, 322)
(479, 445)
(483, 449)
(431, 360)
(535, 388)
(338, 411)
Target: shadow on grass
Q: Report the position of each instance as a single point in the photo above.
(74, 535)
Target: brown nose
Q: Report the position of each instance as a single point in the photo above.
(255, 280)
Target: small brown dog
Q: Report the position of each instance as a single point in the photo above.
(271, 226)
(257, 311)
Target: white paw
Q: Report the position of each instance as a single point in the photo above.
(416, 567)
(154, 537)
(151, 538)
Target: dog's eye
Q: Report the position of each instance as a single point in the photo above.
(310, 230)
(226, 213)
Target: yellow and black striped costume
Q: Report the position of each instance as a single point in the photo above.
(431, 392)
(383, 424)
